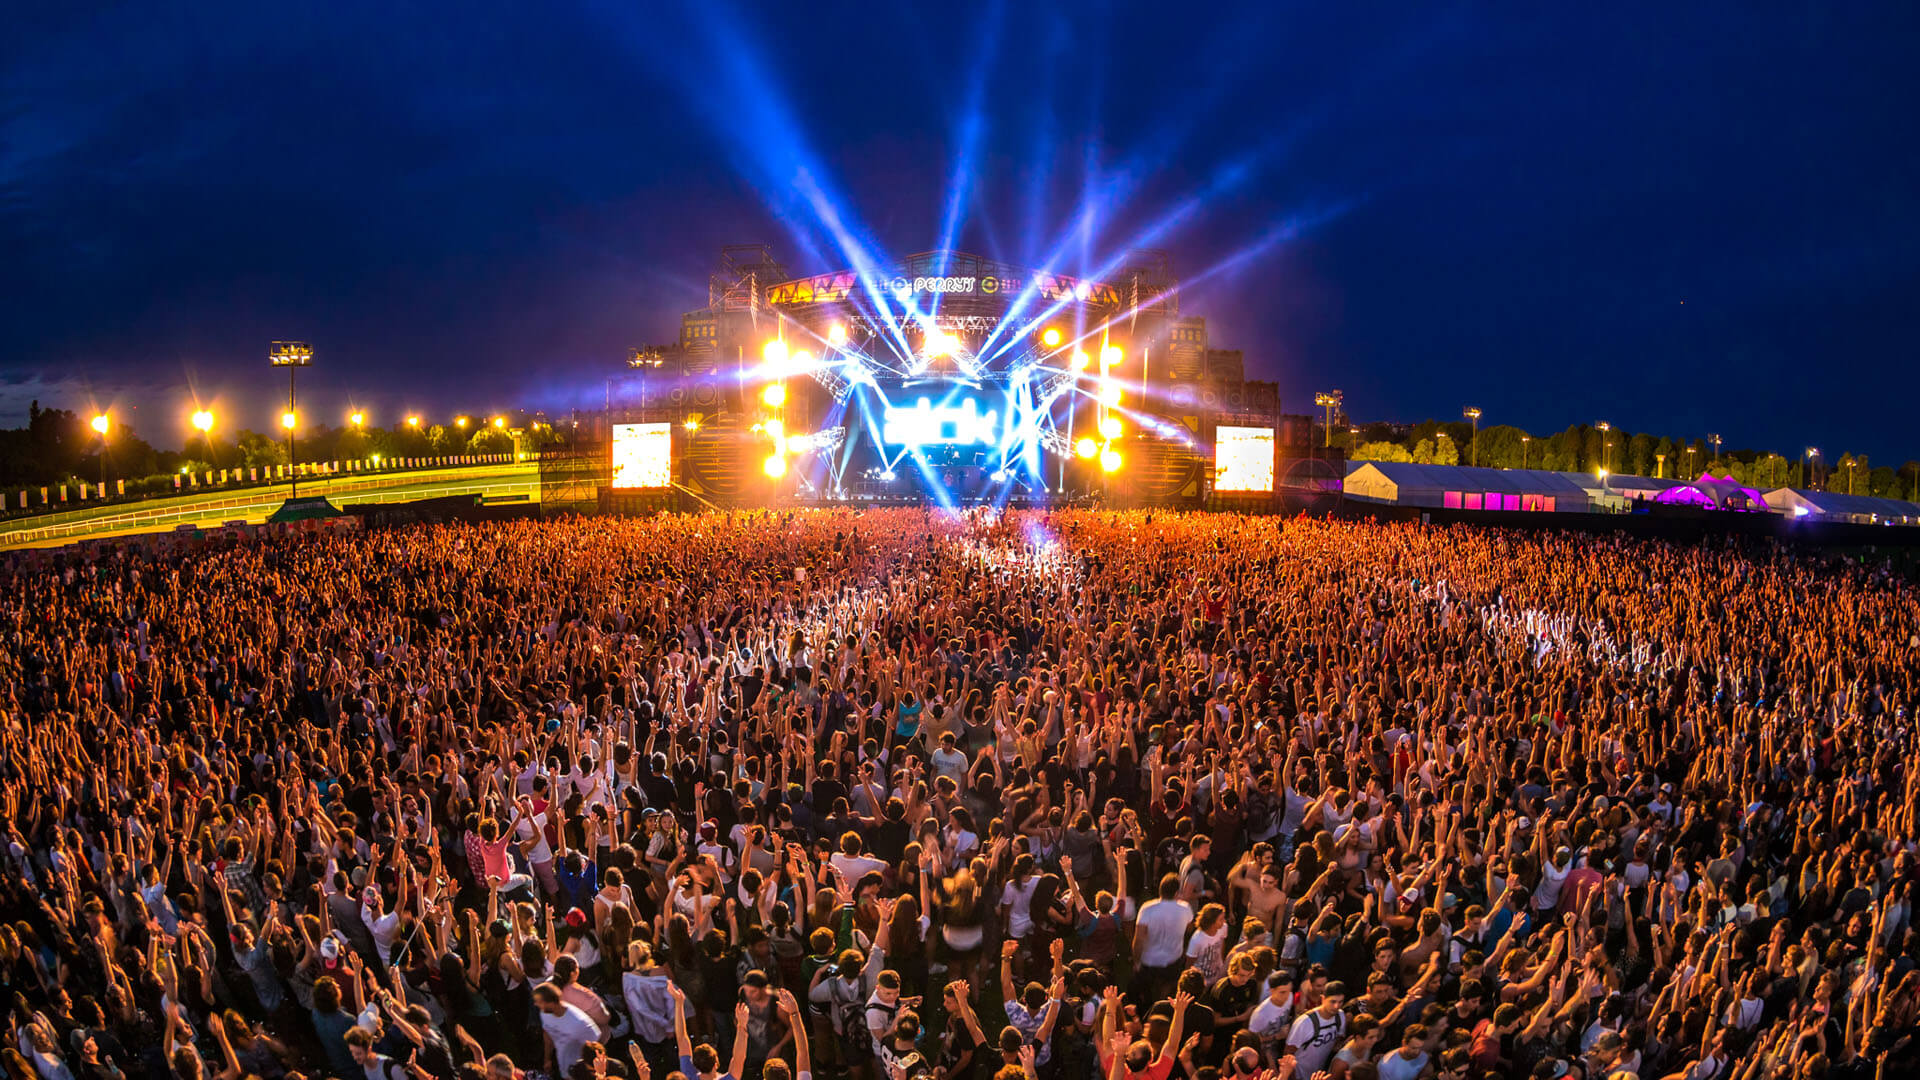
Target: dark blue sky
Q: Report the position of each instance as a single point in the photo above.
(1677, 217)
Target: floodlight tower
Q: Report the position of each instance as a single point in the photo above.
(1329, 400)
(292, 355)
(1472, 412)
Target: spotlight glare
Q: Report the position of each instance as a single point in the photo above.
(203, 420)
(775, 466)
(888, 476)
(1110, 427)
(1110, 394)
(1081, 360)
(774, 352)
(101, 423)
(1110, 355)
(1110, 459)
(775, 395)
(1050, 338)
(691, 423)
(287, 420)
(776, 428)
(413, 421)
(1086, 448)
(837, 334)
(802, 360)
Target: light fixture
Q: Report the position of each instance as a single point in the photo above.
(776, 428)
(1081, 361)
(774, 352)
(413, 421)
(837, 334)
(499, 422)
(1110, 459)
(1110, 355)
(101, 423)
(1050, 337)
(1110, 394)
(775, 466)
(775, 395)
(357, 419)
(938, 343)
(691, 423)
(203, 420)
(802, 359)
(287, 420)
(460, 422)
(1110, 427)
(1086, 448)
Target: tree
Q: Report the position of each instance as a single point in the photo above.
(260, 451)
(490, 441)
(1380, 451)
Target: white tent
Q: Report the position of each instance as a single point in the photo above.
(1840, 506)
(1467, 488)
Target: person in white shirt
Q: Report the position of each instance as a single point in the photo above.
(566, 1027)
(1315, 1035)
(1410, 1060)
(1160, 934)
(1273, 1016)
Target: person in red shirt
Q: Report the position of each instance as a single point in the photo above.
(1124, 1058)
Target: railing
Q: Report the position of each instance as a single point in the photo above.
(249, 497)
(229, 510)
(245, 489)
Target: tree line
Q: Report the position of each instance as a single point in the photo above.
(59, 446)
(1584, 448)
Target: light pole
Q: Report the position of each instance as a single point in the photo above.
(1813, 458)
(292, 355)
(1850, 464)
(1606, 445)
(1524, 440)
(1472, 413)
(203, 423)
(1715, 440)
(1659, 466)
(102, 423)
(1329, 400)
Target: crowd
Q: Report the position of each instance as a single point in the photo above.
(900, 794)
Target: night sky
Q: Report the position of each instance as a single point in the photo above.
(1677, 217)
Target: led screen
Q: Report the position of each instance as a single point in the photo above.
(1243, 459)
(642, 455)
(959, 419)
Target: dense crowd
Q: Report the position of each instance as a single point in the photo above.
(897, 795)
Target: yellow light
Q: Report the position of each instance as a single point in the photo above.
(1050, 337)
(802, 359)
(775, 466)
(413, 421)
(775, 395)
(1110, 355)
(837, 334)
(101, 423)
(460, 422)
(939, 343)
(203, 420)
(287, 420)
(1110, 394)
(1110, 427)
(1086, 448)
(691, 423)
(358, 419)
(775, 428)
(376, 459)
(1110, 459)
(499, 422)
(1081, 360)
(774, 352)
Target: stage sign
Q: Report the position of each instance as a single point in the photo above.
(642, 455)
(955, 421)
(1243, 459)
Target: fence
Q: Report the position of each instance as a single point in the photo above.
(161, 517)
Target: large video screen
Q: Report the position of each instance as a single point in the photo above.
(642, 455)
(954, 414)
(1243, 459)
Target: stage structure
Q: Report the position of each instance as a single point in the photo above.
(947, 378)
